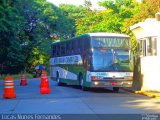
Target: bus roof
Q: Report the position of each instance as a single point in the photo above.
(102, 34)
(107, 34)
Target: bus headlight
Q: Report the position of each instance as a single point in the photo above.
(129, 83)
(96, 83)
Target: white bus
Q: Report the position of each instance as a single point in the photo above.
(93, 60)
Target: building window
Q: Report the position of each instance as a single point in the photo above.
(151, 46)
(154, 46)
(148, 46)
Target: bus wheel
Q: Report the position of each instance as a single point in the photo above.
(82, 84)
(116, 89)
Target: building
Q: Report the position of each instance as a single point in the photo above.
(148, 36)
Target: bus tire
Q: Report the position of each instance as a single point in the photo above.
(116, 89)
(81, 83)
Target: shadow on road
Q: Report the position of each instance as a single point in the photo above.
(94, 90)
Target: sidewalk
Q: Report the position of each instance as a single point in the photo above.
(146, 93)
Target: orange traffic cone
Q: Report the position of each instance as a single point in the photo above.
(43, 78)
(9, 88)
(23, 80)
(44, 86)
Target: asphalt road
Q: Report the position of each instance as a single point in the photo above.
(72, 100)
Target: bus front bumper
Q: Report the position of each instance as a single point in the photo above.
(98, 83)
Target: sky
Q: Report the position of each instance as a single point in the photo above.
(74, 2)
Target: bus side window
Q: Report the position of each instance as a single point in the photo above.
(63, 50)
(83, 42)
(67, 48)
(76, 47)
(58, 50)
(80, 45)
(84, 60)
(72, 47)
(86, 43)
(54, 50)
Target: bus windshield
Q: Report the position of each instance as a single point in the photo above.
(112, 60)
(110, 42)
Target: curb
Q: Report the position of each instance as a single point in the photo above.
(152, 95)
(149, 94)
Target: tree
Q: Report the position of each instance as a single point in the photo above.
(43, 20)
(109, 20)
(11, 59)
(86, 22)
(141, 11)
(72, 13)
(26, 28)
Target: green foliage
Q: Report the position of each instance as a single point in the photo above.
(72, 13)
(27, 27)
(141, 11)
(11, 55)
(109, 20)
(117, 17)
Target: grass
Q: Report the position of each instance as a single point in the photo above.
(17, 76)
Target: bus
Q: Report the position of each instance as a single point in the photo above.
(93, 60)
